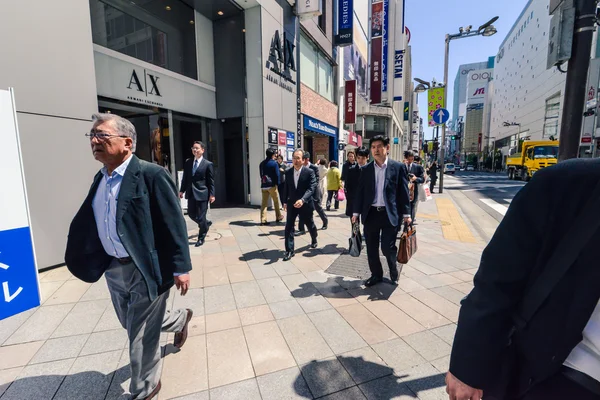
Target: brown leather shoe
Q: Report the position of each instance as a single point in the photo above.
(181, 337)
(154, 392)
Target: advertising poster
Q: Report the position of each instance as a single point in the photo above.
(355, 60)
(435, 100)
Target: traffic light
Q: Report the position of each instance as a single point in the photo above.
(453, 137)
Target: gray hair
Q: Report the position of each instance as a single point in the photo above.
(121, 125)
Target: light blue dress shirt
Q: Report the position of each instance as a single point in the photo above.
(105, 210)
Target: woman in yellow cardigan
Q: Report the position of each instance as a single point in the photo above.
(334, 183)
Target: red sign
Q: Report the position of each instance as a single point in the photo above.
(479, 143)
(354, 139)
(376, 59)
(282, 138)
(350, 102)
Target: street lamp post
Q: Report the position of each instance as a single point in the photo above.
(486, 29)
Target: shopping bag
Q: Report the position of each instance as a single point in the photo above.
(408, 244)
(355, 241)
(424, 193)
(341, 196)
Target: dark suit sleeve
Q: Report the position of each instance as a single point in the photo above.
(277, 174)
(286, 187)
(402, 192)
(312, 186)
(345, 168)
(359, 199)
(210, 179)
(169, 225)
(486, 315)
(420, 175)
(184, 179)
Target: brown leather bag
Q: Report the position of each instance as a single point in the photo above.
(408, 244)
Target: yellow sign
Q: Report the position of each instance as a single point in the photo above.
(435, 100)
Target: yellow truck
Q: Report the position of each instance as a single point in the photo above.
(534, 156)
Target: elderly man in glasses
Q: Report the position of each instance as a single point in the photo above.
(131, 229)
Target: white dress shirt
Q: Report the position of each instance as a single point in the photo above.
(585, 357)
(379, 200)
(297, 176)
(196, 164)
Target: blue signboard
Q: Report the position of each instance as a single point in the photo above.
(315, 125)
(441, 116)
(290, 140)
(18, 273)
(386, 36)
(345, 22)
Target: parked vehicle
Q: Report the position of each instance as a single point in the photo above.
(534, 156)
(470, 168)
(450, 169)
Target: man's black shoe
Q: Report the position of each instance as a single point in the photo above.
(394, 275)
(324, 227)
(288, 255)
(300, 232)
(208, 223)
(373, 281)
(314, 244)
(200, 242)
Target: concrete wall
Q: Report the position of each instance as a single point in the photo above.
(52, 71)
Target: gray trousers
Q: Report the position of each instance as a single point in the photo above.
(144, 321)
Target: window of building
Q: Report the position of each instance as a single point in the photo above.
(163, 36)
(551, 116)
(322, 22)
(316, 71)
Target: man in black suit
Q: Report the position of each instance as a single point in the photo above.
(317, 198)
(382, 201)
(557, 351)
(198, 185)
(300, 184)
(131, 229)
(416, 176)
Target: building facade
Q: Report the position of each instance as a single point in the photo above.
(527, 97)
(223, 72)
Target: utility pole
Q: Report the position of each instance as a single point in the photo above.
(575, 86)
(443, 144)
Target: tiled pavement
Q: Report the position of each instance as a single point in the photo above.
(262, 328)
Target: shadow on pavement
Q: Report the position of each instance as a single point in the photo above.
(339, 287)
(376, 381)
(270, 256)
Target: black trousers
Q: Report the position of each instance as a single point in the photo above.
(379, 229)
(197, 212)
(432, 185)
(319, 210)
(292, 212)
(330, 194)
(280, 188)
(559, 387)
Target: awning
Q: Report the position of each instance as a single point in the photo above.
(314, 125)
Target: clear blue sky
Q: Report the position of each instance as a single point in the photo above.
(430, 20)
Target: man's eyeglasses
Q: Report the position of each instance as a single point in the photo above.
(102, 136)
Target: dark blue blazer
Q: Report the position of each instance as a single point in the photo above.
(149, 222)
(270, 168)
(396, 196)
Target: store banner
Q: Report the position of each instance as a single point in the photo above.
(282, 135)
(350, 102)
(399, 51)
(435, 100)
(345, 22)
(272, 135)
(384, 51)
(377, 17)
(306, 9)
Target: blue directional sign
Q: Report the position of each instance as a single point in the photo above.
(19, 285)
(441, 116)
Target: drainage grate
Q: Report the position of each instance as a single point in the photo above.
(355, 267)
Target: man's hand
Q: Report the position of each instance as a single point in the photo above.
(181, 195)
(299, 203)
(354, 219)
(212, 199)
(407, 220)
(182, 282)
(461, 391)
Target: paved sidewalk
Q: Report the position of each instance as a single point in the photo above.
(262, 328)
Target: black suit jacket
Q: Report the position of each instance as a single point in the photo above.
(317, 195)
(201, 184)
(514, 258)
(149, 222)
(307, 184)
(418, 171)
(395, 191)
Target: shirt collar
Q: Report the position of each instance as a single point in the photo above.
(199, 159)
(298, 170)
(384, 164)
(120, 170)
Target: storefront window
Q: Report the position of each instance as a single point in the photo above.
(161, 35)
(316, 71)
(551, 117)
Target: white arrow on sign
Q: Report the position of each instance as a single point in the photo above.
(3, 266)
(7, 296)
(440, 115)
